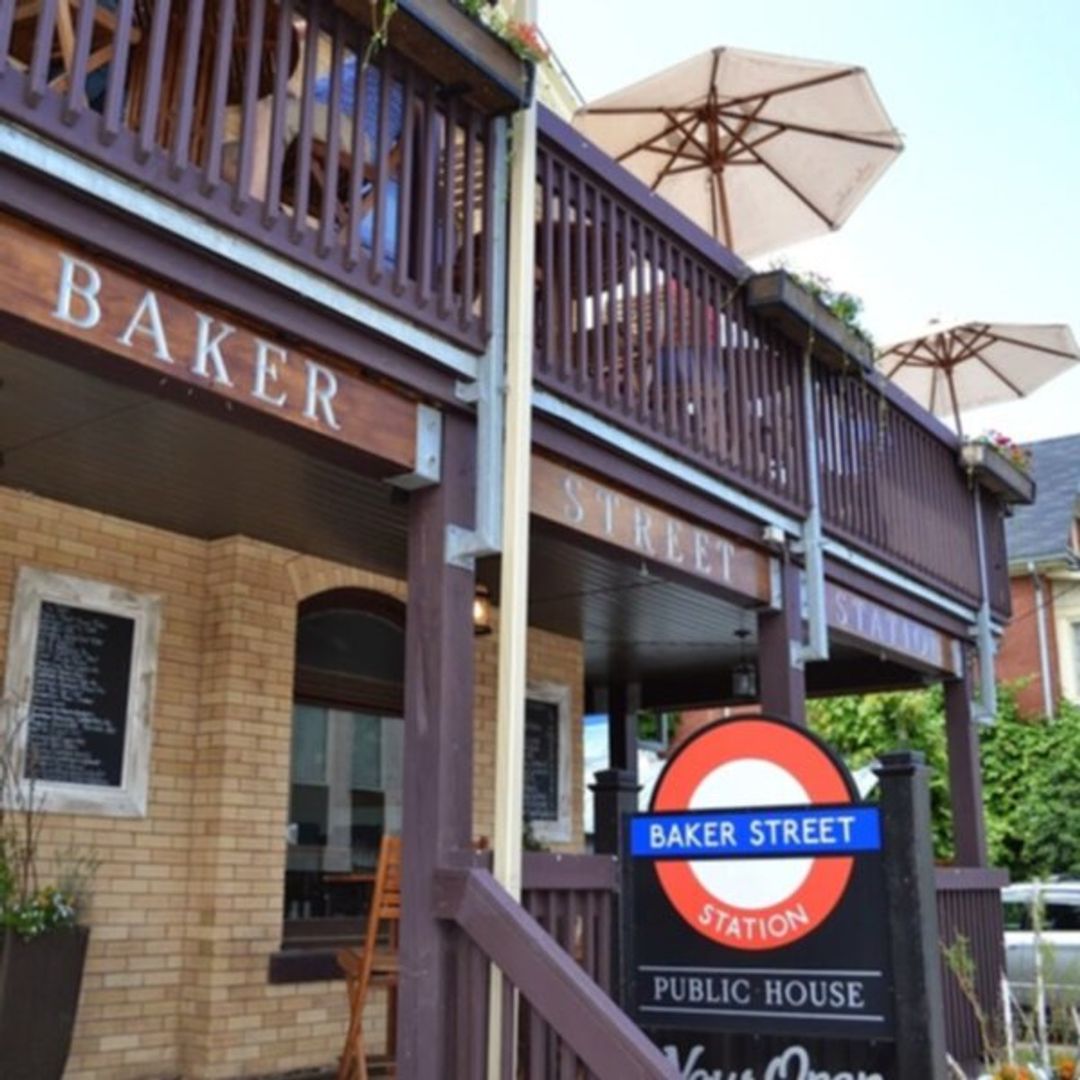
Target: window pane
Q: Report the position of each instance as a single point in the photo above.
(345, 792)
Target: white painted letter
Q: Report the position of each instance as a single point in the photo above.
(266, 371)
(154, 328)
(575, 512)
(208, 348)
(86, 290)
(320, 399)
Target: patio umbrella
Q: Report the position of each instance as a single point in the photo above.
(759, 150)
(950, 369)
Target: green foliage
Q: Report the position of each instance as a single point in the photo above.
(847, 307)
(1031, 771)
(860, 728)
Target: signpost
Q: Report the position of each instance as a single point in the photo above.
(758, 925)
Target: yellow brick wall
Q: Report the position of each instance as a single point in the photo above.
(188, 901)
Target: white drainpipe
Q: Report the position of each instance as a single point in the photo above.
(1044, 638)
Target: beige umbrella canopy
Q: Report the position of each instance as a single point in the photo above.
(951, 369)
(760, 150)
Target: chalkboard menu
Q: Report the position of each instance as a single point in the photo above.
(79, 704)
(541, 761)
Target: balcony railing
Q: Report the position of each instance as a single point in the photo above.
(642, 319)
(278, 121)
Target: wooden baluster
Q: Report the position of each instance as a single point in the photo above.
(566, 337)
(611, 316)
(468, 231)
(253, 59)
(328, 214)
(306, 139)
(406, 209)
(449, 225)
(376, 268)
(279, 109)
(190, 64)
(601, 371)
(581, 292)
(649, 372)
(358, 181)
(37, 81)
(632, 389)
(150, 113)
(75, 98)
(425, 281)
(219, 90)
(7, 22)
(547, 264)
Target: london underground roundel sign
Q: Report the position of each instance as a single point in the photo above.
(753, 828)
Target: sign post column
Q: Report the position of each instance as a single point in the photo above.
(783, 681)
(913, 927)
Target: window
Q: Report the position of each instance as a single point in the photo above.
(345, 784)
(82, 658)
(547, 793)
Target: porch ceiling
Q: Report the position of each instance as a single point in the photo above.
(78, 438)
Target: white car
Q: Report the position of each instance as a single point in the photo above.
(1060, 905)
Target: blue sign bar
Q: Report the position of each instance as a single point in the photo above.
(788, 832)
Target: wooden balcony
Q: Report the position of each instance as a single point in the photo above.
(647, 322)
(281, 122)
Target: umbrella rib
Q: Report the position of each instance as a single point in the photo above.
(821, 133)
(784, 180)
(994, 371)
(675, 155)
(1037, 348)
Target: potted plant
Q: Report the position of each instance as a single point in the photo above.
(42, 943)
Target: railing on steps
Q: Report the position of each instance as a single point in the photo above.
(642, 320)
(969, 905)
(272, 119)
(567, 1026)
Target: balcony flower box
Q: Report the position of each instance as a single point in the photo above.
(458, 51)
(796, 312)
(997, 473)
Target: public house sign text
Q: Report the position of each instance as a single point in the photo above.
(51, 284)
(576, 501)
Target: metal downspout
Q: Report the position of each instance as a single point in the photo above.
(986, 709)
(813, 542)
(465, 546)
(1043, 638)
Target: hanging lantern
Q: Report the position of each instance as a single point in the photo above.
(744, 684)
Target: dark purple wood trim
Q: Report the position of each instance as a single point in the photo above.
(969, 879)
(881, 593)
(782, 685)
(438, 777)
(568, 872)
(606, 169)
(582, 1015)
(965, 774)
(641, 479)
(97, 227)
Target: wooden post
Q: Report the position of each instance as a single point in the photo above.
(782, 689)
(616, 787)
(912, 904)
(437, 797)
(965, 774)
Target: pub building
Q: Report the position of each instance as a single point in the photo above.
(251, 351)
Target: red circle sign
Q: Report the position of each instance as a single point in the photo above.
(753, 904)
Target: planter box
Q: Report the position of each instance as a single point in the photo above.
(39, 996)
(997, 474)
(795, 312)
(440, 38)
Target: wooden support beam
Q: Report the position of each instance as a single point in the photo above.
(782, 684)
(437, 798)
(965, 773)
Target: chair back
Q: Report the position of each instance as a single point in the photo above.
(384, 918)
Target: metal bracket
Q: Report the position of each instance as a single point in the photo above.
(428, 470)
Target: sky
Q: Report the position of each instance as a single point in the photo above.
(979, 218)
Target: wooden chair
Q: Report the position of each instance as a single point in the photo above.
(376, 964)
